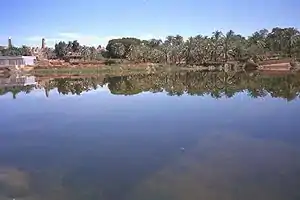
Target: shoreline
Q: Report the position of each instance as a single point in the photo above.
(129, 67)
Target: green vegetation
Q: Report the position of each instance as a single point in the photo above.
(219, 47)
(110, 70)
(16, 51)
(280, 42)
(63, 49)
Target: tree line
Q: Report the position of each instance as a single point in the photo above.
(60, 51)
(63, 49)
(219, 47)
(16, 51)
(199, 49)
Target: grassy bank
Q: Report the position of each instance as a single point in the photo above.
(121, 69)
(127, 69)
(117, 69)
(85, 69)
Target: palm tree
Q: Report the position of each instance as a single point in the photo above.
(25, 51)
(291, 36)
(216, 44)
(257, 45)
(154, 43)
(227, 42)
(187, 50)
(75, 46)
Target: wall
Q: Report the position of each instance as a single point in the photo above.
(11, 61)
(29, 60)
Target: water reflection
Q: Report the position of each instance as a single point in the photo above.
(227, 166)
(215, 84)
(16, 84)
(117, 145)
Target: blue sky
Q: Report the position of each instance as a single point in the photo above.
(94, 22)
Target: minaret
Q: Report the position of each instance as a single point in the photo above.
(9, 43)
(43, 43)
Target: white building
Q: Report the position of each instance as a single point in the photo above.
(29, 60)
(16, 61)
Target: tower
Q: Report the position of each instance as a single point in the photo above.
(43, 43)
(9, 43)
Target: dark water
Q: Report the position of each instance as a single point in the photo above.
(121, 137)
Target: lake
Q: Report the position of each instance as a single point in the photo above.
(166, 136)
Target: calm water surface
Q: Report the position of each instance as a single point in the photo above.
(121, 137)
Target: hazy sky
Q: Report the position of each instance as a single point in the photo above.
(94, 22)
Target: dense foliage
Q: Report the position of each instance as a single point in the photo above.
(16, 51)
(219, 47)
(63, 49)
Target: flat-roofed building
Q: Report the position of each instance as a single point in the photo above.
(16, 61)
(8, 61)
